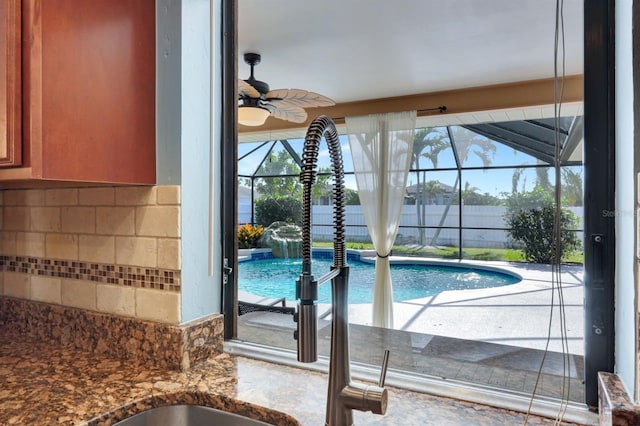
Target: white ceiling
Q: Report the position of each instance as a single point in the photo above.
(353, 50)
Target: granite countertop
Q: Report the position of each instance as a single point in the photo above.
(56, 385)
(45, 384)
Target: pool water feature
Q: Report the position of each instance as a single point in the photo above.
(276, 278)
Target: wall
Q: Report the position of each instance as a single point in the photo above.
(625, 312)
(183, 149)
(113, 250)
(201, 295)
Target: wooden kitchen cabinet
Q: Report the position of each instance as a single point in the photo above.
(10, 86)
(87, 92)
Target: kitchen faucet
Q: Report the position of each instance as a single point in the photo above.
(343, 396)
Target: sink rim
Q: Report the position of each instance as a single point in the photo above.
(186, 410)
(206, 399)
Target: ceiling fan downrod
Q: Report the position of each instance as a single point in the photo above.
(253, 59)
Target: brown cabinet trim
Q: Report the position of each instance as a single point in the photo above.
(10, 61)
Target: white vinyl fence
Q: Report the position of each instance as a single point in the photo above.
(472, 217)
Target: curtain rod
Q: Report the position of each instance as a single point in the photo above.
(441, 109)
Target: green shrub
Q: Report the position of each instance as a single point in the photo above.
(280, 209)
(533, 228)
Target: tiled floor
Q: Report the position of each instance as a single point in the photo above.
(490, 337)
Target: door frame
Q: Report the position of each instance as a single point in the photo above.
(599, 181)
(599, 144)
(229, 168)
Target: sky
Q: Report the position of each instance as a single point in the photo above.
(494, 181)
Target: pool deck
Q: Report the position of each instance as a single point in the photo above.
(517, 314)
(493, 336)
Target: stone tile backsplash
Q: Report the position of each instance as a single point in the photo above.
(176, 347)
(100, 269)
(109, 249)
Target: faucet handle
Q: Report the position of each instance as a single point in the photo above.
(357, 396)
(383, 370)
(368, 398)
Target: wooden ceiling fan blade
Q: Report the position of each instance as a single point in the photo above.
(288, 112)
(299, 97)
(246, 89)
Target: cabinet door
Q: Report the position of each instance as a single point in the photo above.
(10, 86)
(89, 90)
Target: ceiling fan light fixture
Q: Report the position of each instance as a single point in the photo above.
(252, 116)
(257, 102)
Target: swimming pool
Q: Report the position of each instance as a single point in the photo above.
(276, 278)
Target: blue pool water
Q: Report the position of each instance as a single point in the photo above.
(276, 278)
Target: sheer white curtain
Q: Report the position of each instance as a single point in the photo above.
(381, 147)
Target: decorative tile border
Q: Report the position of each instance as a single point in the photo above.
(129, 276)
(176, 347)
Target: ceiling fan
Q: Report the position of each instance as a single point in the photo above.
(256, 102)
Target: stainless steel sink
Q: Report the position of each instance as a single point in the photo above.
(188, 415)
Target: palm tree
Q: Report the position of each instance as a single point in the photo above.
(432, 189)
(572, 186)
(515, 180)
(542, 179)
(464, 141)
(468, 191)
(428, 143)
